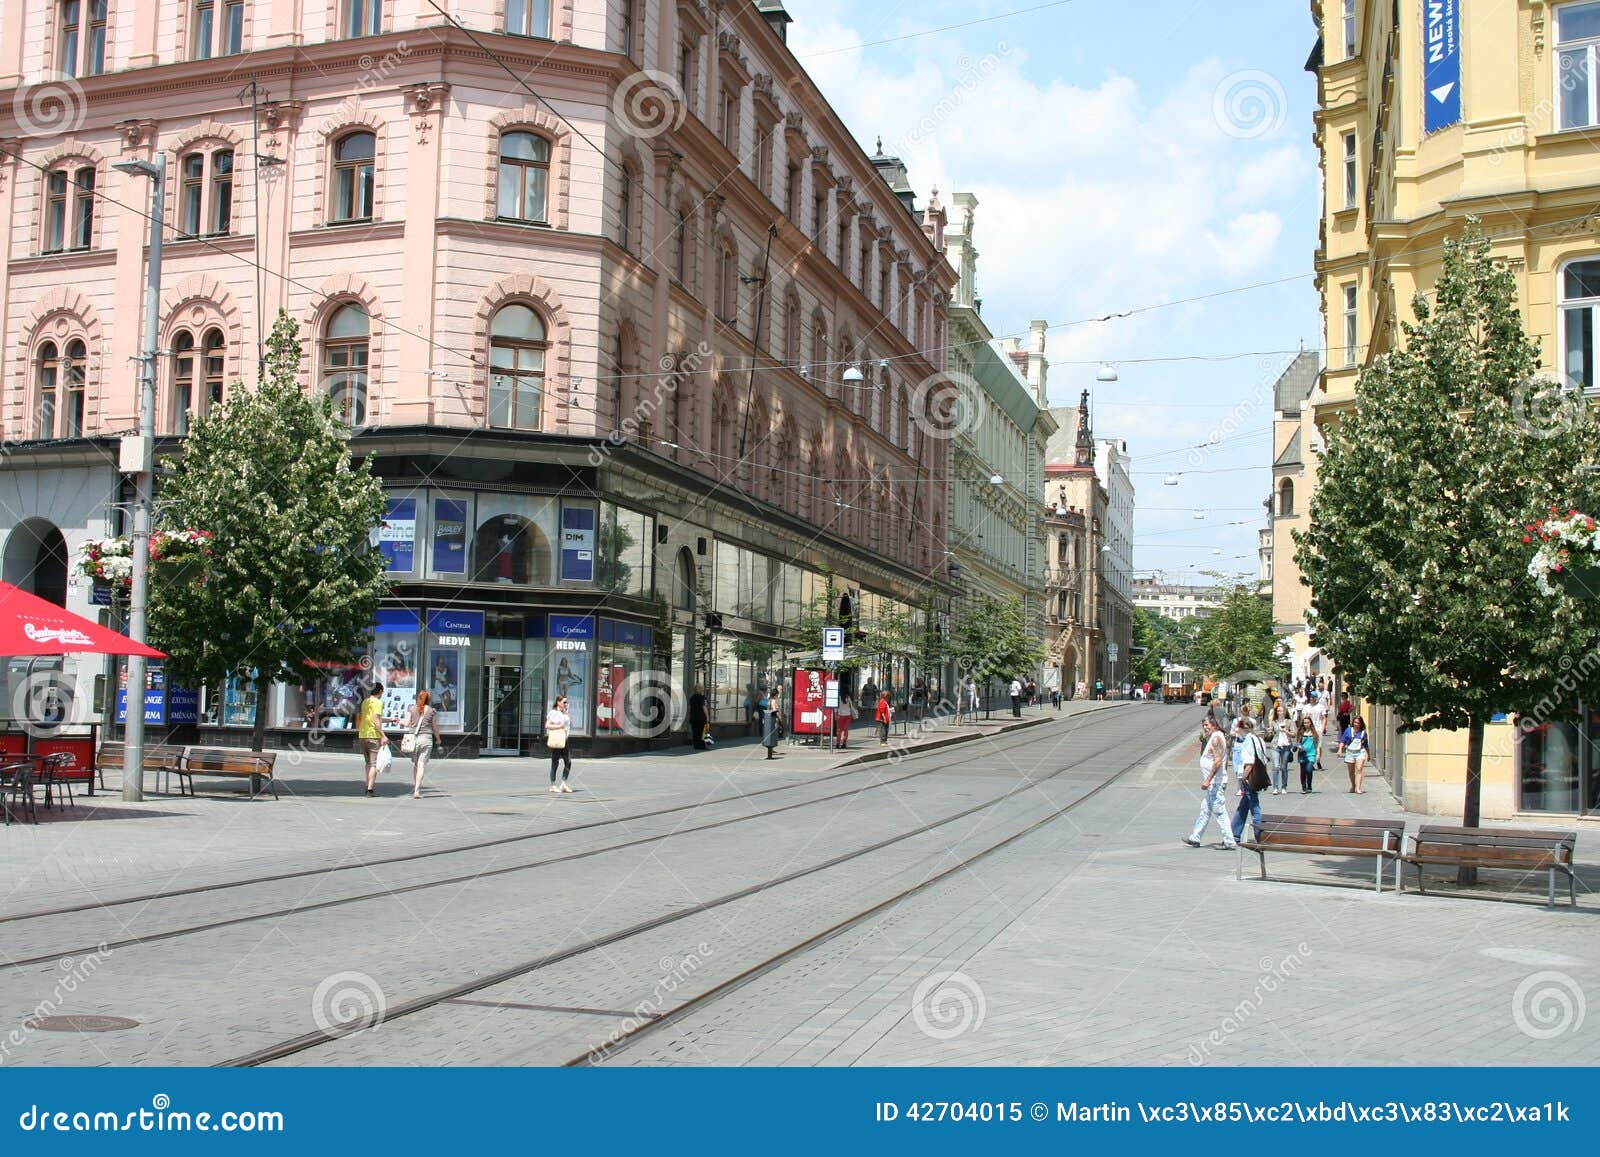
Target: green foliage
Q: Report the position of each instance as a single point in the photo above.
(615, 540)
(292, 578)
(991, 638)
(1415, 551)
(1147, 635)
(1237, 636)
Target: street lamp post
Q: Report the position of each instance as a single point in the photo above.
(137, 455)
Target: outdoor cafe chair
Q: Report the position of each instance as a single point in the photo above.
(16, 790)
(50, 768)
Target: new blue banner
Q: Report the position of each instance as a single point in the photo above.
(398, 537)
(1441, 64)
(577, 544)
(449, 536)
(959, 1111)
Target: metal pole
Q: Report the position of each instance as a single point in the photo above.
(143, 480)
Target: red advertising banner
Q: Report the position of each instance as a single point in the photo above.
(608, 704)
(80, 747)
(809, 715)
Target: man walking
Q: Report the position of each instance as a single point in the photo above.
(1247, 748)
(1213, 785)
(369, 732)
(1016, 698)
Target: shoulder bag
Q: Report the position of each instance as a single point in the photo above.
(408, 741)
(556, 738)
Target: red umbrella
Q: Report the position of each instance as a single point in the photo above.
(31, 626)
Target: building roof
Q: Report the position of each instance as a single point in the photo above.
(1295, 384)
(1061, 451)
(1000, 380)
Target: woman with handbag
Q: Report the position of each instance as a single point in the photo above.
(422, 732)
(557, 727)
(1356, 747)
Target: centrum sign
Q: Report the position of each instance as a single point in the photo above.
(1441, 64)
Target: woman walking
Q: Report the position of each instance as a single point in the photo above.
(769, 723)
(1355, 746)
(842, 717)
(422, 732)
(1213, 783)
(557, 730)
(1248, 752)
(1282, 749)
(1307, 754)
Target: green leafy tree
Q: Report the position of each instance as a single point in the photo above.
(1415, 553)
(1237, 636)
(292, 579)
(991, 639)
(1146, 634)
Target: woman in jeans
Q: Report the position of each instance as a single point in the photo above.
(422, 724)
(1282, 749)
(1307, 754)
(843, 715)
(558, 734)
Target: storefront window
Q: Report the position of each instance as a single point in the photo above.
(1547, 760)
(512, 543)
(451, 518)
(572, 640)
(579, 524)
(331, 702)
(622, 705)
(397, 537)
(455, 651)
(625, 551)
(395, 660)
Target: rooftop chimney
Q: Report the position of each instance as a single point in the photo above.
(773, 13)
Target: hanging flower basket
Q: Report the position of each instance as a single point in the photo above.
(109, 561)
(1567, 555)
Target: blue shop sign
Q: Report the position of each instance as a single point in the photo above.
(1441, 64)
(155, 707)
(577, 543)
(397, 622)
(629, 634)
(455, 623)
(571, 626)
(534, 627)
(183, 705)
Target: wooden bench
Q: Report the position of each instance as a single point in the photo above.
(158, 757)
(1517, 849)
(1326, 836)
(234, 763)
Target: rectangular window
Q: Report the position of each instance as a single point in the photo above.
(680, 255)
(764, 159)
(82, 50)
(193, 188)
(1350, 325)
(363, 18)
(55, 229)
(222, 191)
(1349, 22)
(528, 18)
(67, 59)
(233, 27)
(205, 14)
(686, 73)
(627, 27)
(791, 196)
(625, 211)
(1351, 178)
(819, 215)
(94, 56)
(1577, 54)
(729, 126)
(83, 209)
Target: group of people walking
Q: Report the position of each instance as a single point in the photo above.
(1294, 729)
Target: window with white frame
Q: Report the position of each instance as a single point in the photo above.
(517, 347)
(1348, 21)
(362, 18)
(346, 354)
(727, 284)
(528, 18)
(1350, 324)
(629, 27)
(1577, 62)
(60, 381)
(68, 208)
(524, 178)
(205, 193)
(1580, 298)
(198, 366)
(353, 157)
(728, 124)
(1351, 178)
(81, 45)
(217, 30)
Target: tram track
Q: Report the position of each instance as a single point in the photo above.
(943, 759)
(457, 992)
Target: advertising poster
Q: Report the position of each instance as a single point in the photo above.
(608, 705)
(808, 713)
(444, 686)
(183, 705)
(449, 536)
(569, 676)
(577, 544)
(1441, 64)
(397, 538)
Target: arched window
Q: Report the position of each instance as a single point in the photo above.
(345, 356)
(524, 178)
(680, 247)
(353, 156)
(511, 549)
(727, 287)
(75, 370)
(517, 348)
(528, 18)
(1580, 299)
(47, 387)
(198, 368)
(1285, 499)
(69, 208)
(205, 206)
(791, 331)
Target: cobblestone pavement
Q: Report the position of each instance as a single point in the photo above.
(555, 925)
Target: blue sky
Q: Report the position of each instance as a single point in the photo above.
(1124, 156)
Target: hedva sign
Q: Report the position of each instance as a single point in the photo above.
(1441, 64)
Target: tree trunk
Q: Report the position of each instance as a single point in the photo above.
(258, 732)
(1469, 809)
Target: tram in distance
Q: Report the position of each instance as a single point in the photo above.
(1177, 685)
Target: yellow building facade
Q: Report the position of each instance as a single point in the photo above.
(1430, 112)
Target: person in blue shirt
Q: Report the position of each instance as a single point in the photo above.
(1356, 747)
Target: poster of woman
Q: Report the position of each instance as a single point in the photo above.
(444, 686)
(569, 676)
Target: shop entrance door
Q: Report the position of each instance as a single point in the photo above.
(502, 699)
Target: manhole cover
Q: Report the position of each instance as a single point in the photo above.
(81, 1023)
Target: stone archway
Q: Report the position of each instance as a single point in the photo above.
(36, 560)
